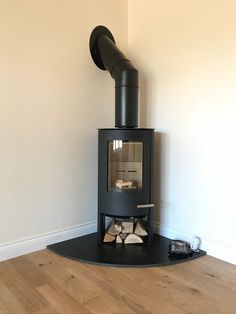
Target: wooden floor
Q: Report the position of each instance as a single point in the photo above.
(43, 282)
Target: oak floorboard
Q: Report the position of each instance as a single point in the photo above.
(8, 303)
(46, 310)
(33, 276)
(79, 288)
(45, 283)
(23, 292)
(90, 289)
(60, 300)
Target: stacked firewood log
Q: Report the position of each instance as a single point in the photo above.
(125, 231)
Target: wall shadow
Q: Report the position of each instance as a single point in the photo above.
(160, 163)
(160, 148)
(143, 101)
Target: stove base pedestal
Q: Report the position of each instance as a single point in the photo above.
(86, 249)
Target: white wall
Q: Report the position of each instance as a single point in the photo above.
(52, 100)
(185, 51)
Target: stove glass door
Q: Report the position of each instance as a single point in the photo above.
(125, 166)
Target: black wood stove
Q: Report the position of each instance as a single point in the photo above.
(125, 168)
(125, 153)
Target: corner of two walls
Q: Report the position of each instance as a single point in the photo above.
(185, 52)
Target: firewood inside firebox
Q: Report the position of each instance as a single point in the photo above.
(127, 231)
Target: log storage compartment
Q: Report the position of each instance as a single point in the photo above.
(125, 167)
(127, 231)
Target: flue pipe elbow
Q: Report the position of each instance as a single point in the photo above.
(107, 56)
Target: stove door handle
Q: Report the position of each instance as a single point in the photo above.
(145, 205)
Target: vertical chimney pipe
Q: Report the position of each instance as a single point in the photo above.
(107, 56)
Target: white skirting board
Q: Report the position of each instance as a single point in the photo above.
(31, 244)
(219, 250)
(16, 248)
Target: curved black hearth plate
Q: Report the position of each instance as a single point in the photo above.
(86, 249)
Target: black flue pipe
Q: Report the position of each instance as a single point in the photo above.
(107, 56)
